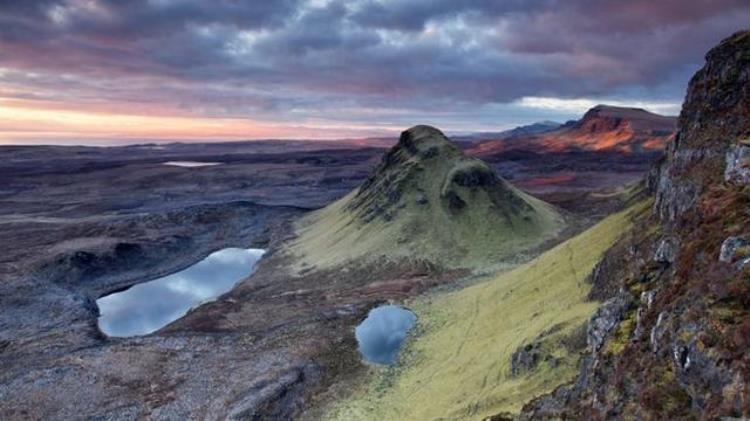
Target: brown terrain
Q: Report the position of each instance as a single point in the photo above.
(609, 147)
(78, 223)
(602, 128)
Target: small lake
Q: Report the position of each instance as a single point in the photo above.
(381, 334)
(147, 307)
(190, 164)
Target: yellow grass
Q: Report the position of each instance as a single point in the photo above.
(458, 364)
(475, 239)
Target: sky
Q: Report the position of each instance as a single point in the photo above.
(127, 71)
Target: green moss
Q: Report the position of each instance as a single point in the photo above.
(447, 209)
(742, 252)
(458, 367)
(636, 288)
(621, 337)
(685, 336)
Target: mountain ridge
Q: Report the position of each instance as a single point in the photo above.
(603, 128)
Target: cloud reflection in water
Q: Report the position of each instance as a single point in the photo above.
(380, 335)
(149, 306)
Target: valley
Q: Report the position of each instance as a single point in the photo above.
(490, 347)
(526, 281)
(119, 217)
(374, 210)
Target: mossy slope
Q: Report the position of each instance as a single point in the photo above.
(426, 201)
(459, 365)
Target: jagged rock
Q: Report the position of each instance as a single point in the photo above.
(667, 250)
(548, 406)
(525, 359)
(673, 196)
(604, 321)
(698, 373)
(659, 330)
(639, 313)
(647, 298)
(735, 249)
(713, 121)
(738, 165)
(646, 301)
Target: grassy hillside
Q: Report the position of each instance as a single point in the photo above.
(426, 201)
(458, 365)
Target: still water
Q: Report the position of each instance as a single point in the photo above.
(381, 334)
(190, 164)
(149, 306)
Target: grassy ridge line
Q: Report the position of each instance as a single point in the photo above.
(458, 365)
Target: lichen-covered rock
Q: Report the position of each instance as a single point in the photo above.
(675, 195)
(646, 300)
(660, 329)
(548, 406)
(700, 375)
(604, 321)
(525, 359)
(738, 165)
(735, 248)
(667, 250)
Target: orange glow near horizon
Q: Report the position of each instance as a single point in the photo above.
(28, 122)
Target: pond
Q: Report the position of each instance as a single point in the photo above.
(381, 334)
(147, 307)
(190, 164)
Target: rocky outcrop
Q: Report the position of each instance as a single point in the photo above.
(738, 163)
(680, 349)
(525, 359)
(606, 318)
(713, 128)
(736, 249)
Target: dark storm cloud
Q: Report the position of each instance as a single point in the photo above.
(295, 59)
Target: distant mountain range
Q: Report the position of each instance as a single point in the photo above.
(529, 129)
(602, 128)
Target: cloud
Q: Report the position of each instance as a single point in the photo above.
(336, 62)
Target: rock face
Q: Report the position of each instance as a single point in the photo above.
(427, 201)
(604, 321)
(680, 349)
